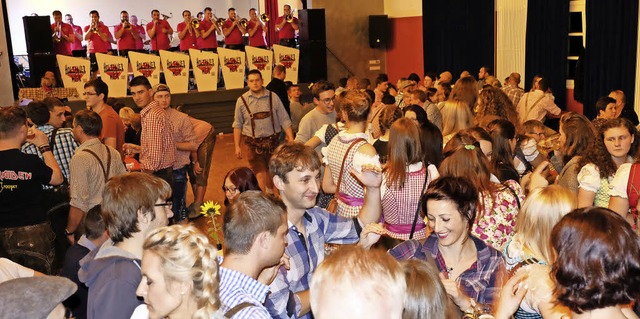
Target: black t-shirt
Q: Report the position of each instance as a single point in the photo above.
(21, 179)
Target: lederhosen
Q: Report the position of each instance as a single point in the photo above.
(267, 144)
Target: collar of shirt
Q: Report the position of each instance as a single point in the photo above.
(88, 144)
(265, 93)
(239, 280)
(149, 107)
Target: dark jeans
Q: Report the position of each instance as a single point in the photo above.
(179, 206)
(288, 42)
(30, 246)
(166, 174)
(234, 46)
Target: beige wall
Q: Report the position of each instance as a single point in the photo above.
(403, 8)
(347, 24)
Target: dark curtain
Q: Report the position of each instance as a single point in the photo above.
(547, 41)
(271, 8)
(458, 35)
(610, 53)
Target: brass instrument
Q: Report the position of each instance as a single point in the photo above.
(127, 25)
(264, 17)
(94, 28)
(243, 22)
(57, 34)
(289, 17)
(195, 23)
(167, 17)
(219, 22)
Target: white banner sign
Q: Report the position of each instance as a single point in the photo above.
(232, 63)
(176, 70)
(205, 69)
(290, 58)
(147, 65)
(260, 59)
(75, 72)
(114, 71)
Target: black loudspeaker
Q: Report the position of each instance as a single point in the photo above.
(39, 63)
(378, 31)
(37, 33)
(311, 25)
(313, 61)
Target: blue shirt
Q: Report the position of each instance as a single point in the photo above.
(236, 288)
(304, 256)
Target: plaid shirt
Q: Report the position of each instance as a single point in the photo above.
(156, 139)
(38, 94)
(236, 288)
(514, 93)
(64, 148)
(320, 227)
(482, 281)
(182, 132)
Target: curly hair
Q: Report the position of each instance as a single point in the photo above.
(598, 262)
(599, 155)
(494, 102)
(187, 256)
(388, 115)
(580, 135)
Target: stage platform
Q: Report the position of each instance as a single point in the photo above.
(215, 107)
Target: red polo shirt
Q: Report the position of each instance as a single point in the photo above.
(258, 38)
(160, 40)
(287, 31)
(95, 44)
(189, 40)
(235, 37)
(210, 42)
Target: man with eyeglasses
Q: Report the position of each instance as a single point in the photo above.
(90, 168)
(258, 121)
(322, 115)
(133, 205)
(96, 93)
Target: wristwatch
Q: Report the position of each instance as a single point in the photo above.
(67, 233)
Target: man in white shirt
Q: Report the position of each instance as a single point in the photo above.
(536, 104)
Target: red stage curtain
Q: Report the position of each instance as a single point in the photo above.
(271, 8)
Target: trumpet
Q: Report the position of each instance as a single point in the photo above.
(57, 34)
(94, 28)
(167, 17)
(195, 23)
(127, 25)
(264, 17)
(243, 22)
(218, 21)
(289, 17)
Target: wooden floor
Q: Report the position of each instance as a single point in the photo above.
(224, 159)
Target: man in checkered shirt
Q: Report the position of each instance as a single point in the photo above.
(296, 174)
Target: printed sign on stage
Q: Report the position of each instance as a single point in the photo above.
(75, 72)
(290, 58)
(147, 65)
(114, 72)
(260, 59)
(205, 69)
(232, 63)
(176, 70)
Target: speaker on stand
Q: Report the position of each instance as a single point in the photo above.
(313, 45)
(37, 32)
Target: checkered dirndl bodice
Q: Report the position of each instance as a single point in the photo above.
(350, 186)
(399, 206)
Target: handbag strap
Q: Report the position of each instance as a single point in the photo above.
(344, 159)
(415, 217)
(514, 194)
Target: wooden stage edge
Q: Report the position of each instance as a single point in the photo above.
(215, 107)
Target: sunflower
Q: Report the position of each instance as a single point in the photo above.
(210, 209)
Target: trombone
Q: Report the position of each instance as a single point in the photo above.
(218, 22)
(243, 22)
(264, 17)
(289, 17)
(195, 23)
(166, 17)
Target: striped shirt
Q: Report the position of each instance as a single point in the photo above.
(236, 288)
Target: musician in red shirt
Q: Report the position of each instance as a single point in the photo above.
(98, 38)
(77, 34)
(141, 32)
(206, 33)
(62, 35)
(159, 31)
(126, 35)
(255, 28)
(186, 32)
(287, 30)
(233, 32)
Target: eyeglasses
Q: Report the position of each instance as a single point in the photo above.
(229, 189)
(329, 100)
(89, 93)
(165, 204)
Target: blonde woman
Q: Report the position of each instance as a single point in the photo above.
(456, 116)
(531, 245)
(179, 275)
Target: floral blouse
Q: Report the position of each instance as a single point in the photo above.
(496, 225)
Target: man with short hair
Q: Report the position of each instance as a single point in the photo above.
(140, 29)
(185, 141)
(47, 89)
(298, 111)
(63, 35)
(98, 38)
(278, 87)
(77, 33)
(621, 110)
(159, 31)
(255, 232)
(287, 28)
(134, 205)
(233, 31)
(536, 104)
(419, 97)
(258, 120)
(255, 29)
(91, 167)
(324, 113)
(404, 88)
(157, 134)
(206, 32)
(186, 32)
(485, 71)
(25, 234)
(296, 174)
(512, 90)
(357, 283)
(126, 34)
(96, 93)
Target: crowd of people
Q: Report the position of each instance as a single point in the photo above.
(425, 199)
